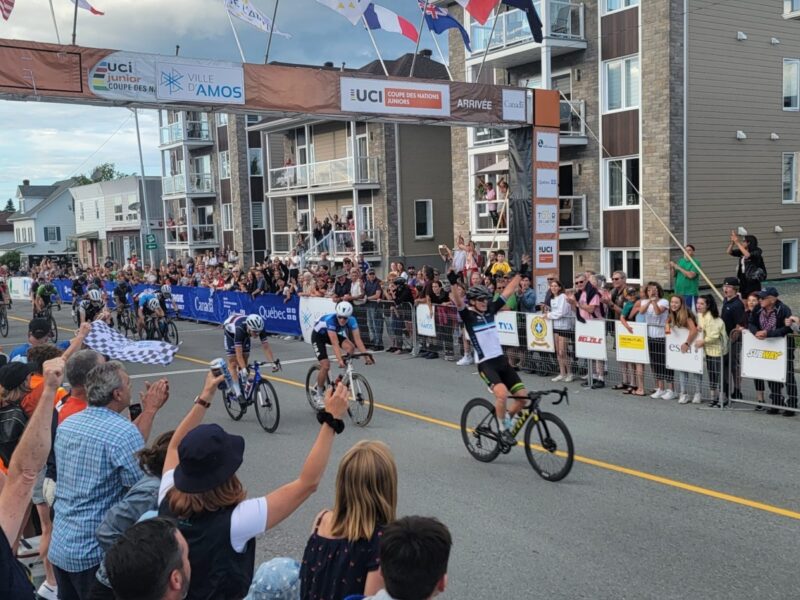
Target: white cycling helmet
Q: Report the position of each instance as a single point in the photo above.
(153, 304)
(95, 296)
(344, 309)
(254, 322)
(166, 289)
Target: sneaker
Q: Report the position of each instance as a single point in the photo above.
(431, 355)
(508, 422)
(697, 398)
(683, 399)
(657, 394)
(569, 378)
(668, 395)
(559, 378)
(319, 404)
(507, 438)
(465, 361)
(48, 592)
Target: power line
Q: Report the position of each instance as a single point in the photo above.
(121, 125)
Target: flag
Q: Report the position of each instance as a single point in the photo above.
(534, 22)
(105, 340)
(378, 17)
(479, 9)
(439, 21)
(6, 6)
(350, 9)
(244, 10)
(86, 6)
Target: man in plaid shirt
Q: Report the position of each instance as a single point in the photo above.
(96, 465)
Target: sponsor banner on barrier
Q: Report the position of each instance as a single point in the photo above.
(279, 316)
(632, 345)
(763, 359)
(19, 287)
(590, 340)
(311, 309)
(539, 333)
(692, 361)
(506, 323)
(426, 322)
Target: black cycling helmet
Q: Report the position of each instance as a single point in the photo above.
(400, 281)
(479, 292)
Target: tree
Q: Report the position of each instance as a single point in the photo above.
(103, 172)
(11, 259)
(10, 206)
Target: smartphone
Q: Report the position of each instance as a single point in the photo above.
(135, 410)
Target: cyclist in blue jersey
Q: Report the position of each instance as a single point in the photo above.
(493, 366)
(333, 329)
(146, 305)
(238, 331)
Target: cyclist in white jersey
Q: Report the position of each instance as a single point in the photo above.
(493, 366)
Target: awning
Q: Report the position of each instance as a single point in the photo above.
(501, 166)
(87, 235)
(14, 246)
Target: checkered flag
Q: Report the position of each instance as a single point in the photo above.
(105, 340)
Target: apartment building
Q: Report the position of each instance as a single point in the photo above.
(211, 170)
(695, 137)
(389, 186)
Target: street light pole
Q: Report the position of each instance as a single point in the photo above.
(143, 209)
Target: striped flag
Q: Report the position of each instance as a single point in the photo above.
(86, 6)
(378, 17)
(6, 6)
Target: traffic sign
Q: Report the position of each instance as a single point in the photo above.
(150, 238)
(151, 246)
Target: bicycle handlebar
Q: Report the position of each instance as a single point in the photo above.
(356, 355)
(563, 394)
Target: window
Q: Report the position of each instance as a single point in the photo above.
(257, 215)
(256, 165)
(789, 177)
(83, 216)
(791, 84)
(791, 6)
(625, 260)
(253, 119)
(789, 260)
(224, 165)
(96, 209)
(227, 217)
(52, 234)
(222, 119)
(621, 84)
(622, 182)
(118, 209)
(423, 219)
(612, 5)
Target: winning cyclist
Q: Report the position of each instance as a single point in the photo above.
(148, 304)
(332, 329)
(165, 294)
(492, 364)
(120, 293)
(91, 307)
(238, 331)
(44, 296)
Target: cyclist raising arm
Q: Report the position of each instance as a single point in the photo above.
(492, 364)
(238, 331)
(332, 329)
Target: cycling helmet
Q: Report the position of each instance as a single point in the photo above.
(166, 289)
(82, 278)
(153, 304)
(344, 309)
(479, 292)
(400, 282)
(254, 322)
(95, 297)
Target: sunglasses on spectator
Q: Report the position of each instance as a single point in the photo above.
(580, 281)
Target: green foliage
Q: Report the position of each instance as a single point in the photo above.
(103, 172)
(11, 260)
(10, 206)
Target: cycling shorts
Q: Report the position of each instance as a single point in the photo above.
(320, 343)
(497, 370)
(230, 344)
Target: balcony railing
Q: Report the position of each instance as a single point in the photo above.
(566, 21)
(177, 234)
(336, 243)
(489, 216)
(572, 214)
(175, 184)
(204, 234)
(342, 171)
(199, 183)
(194, 131)
(573, 115)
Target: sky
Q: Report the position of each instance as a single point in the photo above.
(47, 142)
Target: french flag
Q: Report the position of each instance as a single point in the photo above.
(479, 9)
(378, 17)
(84, 4)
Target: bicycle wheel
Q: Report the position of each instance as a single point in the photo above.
(549, 449)
(76, 315)
(171, 333)
(53, 329)
(268, 411)
(479, 430)
(235, 410)
(4, 323)
(311, 382)
(361, 403)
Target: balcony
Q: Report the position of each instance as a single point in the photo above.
(340, 172)
(199, 183)
(174, 184)
(573, 124)
(186, 132)
(572, 217)
(204, 235)
(512, 43)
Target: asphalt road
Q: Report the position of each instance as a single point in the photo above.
(664, 501)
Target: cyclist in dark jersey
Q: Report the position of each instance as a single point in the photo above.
(121, 292)
(43, 298)
(493, 366)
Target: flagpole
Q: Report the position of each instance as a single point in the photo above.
(488, 44)
(74, 22)
(271, 30)
(371, 37)
(441, 54)
(235, 36)
(55, 23)
(419, 37)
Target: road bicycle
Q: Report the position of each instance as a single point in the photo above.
(126, 319)
(47, 313)
(163, 328)
(548, 443)
(258, 392)
(3, 319)
(360, 402)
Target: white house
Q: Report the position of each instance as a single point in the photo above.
(107, 221)
(44, 223)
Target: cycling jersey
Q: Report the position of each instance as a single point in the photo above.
(330, 322)
(483, 331)
(45, 291)
(121, 292)
(90, 311)
(237, 335)
(77, 288)
(144, 299)
(162, 300)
